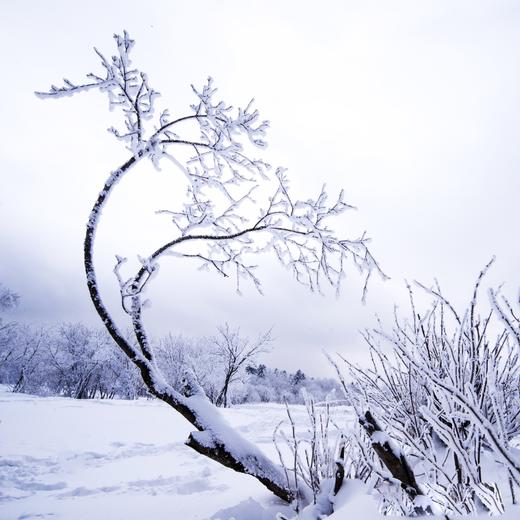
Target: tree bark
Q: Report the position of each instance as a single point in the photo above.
(396, 463)
(221, 454)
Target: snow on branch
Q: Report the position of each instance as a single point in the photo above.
(506, 313)
(227, 184)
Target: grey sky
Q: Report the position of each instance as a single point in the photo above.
(412, 106)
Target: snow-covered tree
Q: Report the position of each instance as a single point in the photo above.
(233, 352)
(298, 377)
(28, 370)
(236, 206)
(68, 359)
(8, 300)
(177, 354)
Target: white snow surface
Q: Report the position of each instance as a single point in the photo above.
(64, 459)
(69, 459)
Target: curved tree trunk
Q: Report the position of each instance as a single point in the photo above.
(214, 438)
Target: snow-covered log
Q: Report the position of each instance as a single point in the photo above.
(394, 460)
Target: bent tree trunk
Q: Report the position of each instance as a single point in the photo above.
(214, 438)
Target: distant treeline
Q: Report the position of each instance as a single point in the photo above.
(76, 361)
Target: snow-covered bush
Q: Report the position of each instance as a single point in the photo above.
(313, 457)
(442, 394)
(313, 454)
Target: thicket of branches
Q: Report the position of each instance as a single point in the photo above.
(438, 408)
(438, 412)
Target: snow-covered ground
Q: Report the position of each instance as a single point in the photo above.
(107, 459)
(68, 459)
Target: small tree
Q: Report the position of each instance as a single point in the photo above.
(234, 352)
(235, 207)
(27, 367)
(177, 354)
(298, 377)
(8, 299)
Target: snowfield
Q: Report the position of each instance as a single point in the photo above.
(107, 459)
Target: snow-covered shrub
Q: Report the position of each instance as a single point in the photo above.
(444, 389)
(311, 457)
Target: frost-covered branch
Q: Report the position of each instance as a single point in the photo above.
(505, 311)
(312, 457)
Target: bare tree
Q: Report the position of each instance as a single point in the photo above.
(234, 352)
(235, 207)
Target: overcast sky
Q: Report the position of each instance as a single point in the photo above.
(411, 106)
